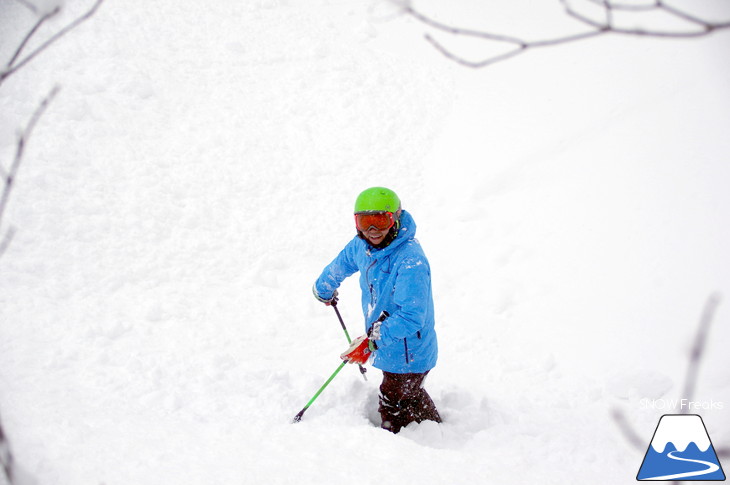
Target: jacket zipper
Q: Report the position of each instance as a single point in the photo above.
(370, 285)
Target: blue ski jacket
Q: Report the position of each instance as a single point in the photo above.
(397, 279)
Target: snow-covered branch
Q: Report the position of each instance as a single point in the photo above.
(606, 17)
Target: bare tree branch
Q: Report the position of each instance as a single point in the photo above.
(10, 176)
(6, 240)
(631, 436)
(13, 473)
(30, 34)
(457, 30)
(628, 7)
(6, 458)
(520, 45)
(492, 60)
(706, 27)
(709, 26)
(698, 348)
(608, 24)
(690, 380)
(8, 468)
(55, 37)
(29, 5)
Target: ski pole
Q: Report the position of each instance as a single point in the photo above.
(363, 370)
(299, 415)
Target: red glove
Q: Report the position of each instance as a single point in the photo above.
(359, 351)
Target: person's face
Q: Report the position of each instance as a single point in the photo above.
(375, 226)
(375, 236)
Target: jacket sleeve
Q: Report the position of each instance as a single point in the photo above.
(335, 273)
(411, 297)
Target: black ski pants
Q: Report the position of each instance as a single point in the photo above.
(403, 400)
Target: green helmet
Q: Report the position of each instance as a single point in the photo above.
(377, 199)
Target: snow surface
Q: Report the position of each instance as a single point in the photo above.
(198, 169)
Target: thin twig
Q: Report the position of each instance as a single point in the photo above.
(690, 381)
(621, 6)
(657, 5)
(6, 457)
(684, 15)
(698, 348)
(30, 34)
(450, 55)
(628, 432)
(29, 5)
(609, 12)
(521, 48)
(5, 74)
(459, 31)
(567, 38)
(22, 141)
(706, 26)
(596, 28)
(6, 240)
(520, 45)
(571, 12)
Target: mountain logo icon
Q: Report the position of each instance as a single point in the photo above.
(681, 450)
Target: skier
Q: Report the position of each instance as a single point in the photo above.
(395, 277)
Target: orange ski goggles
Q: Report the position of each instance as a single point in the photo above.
(380, 220)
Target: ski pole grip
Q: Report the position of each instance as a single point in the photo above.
(383, 316)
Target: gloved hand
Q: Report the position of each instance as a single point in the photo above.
(331, 301)
(374, 331)
(359, 350)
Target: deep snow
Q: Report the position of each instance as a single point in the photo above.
(198, 170)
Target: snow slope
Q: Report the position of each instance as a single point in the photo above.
(198, 169)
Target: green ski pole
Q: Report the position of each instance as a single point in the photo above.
(363, 370)
(299, 415)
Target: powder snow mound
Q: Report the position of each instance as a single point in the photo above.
(428, 433)
(198, 168)
(638, 383)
